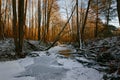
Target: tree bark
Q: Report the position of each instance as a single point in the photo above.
(15, 26)
(39, 18)
(108, 12)
(32, 36)
(1, 27)
(96, 24)
(45, 19)
(21, 25)
(49, 9)
(0, 22)
(83, 26)
(118, 9)
(25, 12)
(77, 23)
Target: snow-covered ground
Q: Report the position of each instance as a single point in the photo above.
(47, 67)
(10, 69)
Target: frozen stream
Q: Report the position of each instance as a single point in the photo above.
(47, 67)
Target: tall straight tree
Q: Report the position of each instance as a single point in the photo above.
(118, 9)
(1, 24)
(21, 25)
(32, 19)
(44, 20)
(48, 12)
(84, 23)
(77, 23)
(0, 20)
(26, 3)
(50, 4)
(18, 39)
(39, 18)
(97, 15)
(15, 25)
(95, 7)
(108, 12)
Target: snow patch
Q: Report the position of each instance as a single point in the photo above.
(10, 69)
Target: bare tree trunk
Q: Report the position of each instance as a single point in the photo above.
(108, 17)
(45, 25)
(44, 29)
(1, 27)
(96, 24)
(25, 12)
(83, 26)
(32, 21)
(4, 25)
(118, 9)
(108, 12)
(0, 21)
(77, 23)
(21, 25)
(49, 9)
(81, 23)
(39, 18)
(29, 33)
(15, 26)
(4, 20)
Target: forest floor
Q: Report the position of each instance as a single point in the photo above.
(99, 60)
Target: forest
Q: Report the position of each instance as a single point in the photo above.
(47, 37)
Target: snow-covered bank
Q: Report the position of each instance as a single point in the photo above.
(10, 69)
(79, 72)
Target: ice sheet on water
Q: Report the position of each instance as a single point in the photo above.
(42, 69)
(47, 67)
